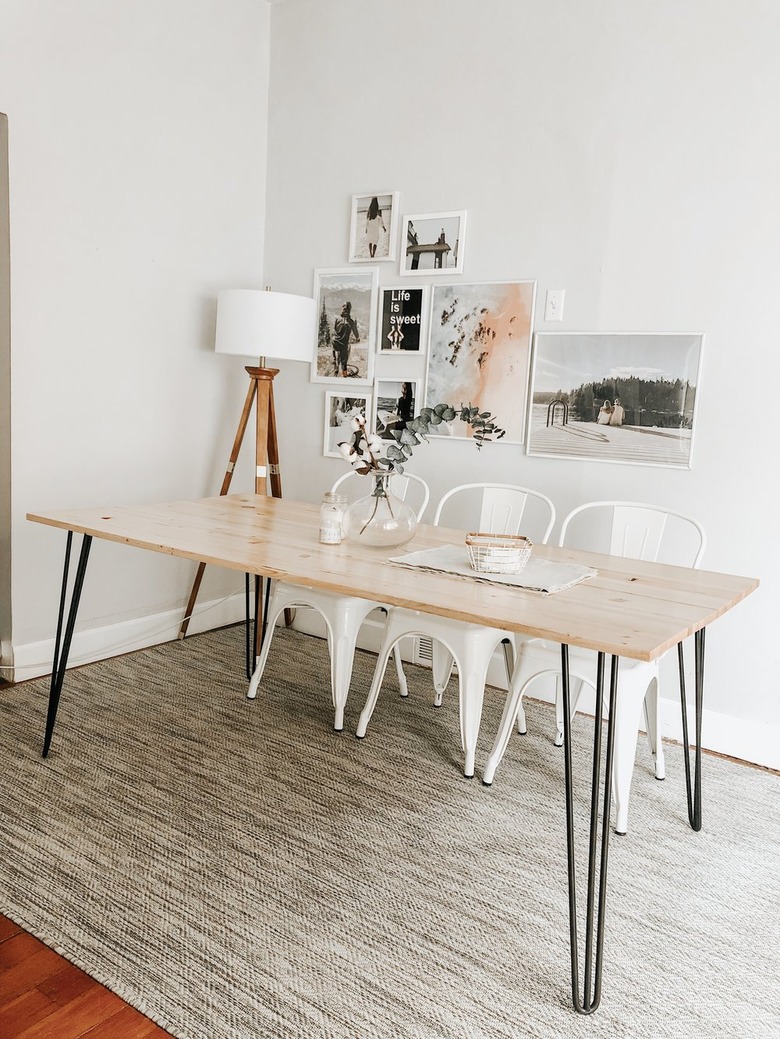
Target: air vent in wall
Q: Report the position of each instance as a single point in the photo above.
(423, 651)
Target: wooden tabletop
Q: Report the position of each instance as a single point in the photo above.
(631, 608)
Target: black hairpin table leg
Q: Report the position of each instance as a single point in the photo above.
(693, 790)
(586, 996)
(251, 639)
(62, 642)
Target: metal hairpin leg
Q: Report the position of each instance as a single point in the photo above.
(693, 792)
(586, 997)
(62, 644)
(251, 642)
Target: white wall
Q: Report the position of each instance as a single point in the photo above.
(628, 153)
(137, 184)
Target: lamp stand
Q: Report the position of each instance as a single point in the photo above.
(261, 391)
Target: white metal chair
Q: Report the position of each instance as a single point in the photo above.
(502, 508)
(635, 531)
(343, 614)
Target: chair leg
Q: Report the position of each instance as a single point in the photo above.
(577, 684)
(628, 710)
(399, 670)
(345, 624)
(442, 662)
(508, 647)
(257, 674)
(512, 705)
(472, 693)
(376, 683)
(653, 727)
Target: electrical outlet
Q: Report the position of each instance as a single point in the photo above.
(553, 305)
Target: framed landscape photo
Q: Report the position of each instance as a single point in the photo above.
(432, 243)
(373, 229)
(339, 412)
(345, 331)
(479, 352)
(402, 320)
(396, 401)
(625, 397)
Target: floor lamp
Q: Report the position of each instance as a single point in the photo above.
(275, 325)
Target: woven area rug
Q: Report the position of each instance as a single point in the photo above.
(236, 870)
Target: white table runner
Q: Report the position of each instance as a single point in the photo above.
(538, 575)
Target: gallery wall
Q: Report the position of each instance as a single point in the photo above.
(137, 151)
(625, 153)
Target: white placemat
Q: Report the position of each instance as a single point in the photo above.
(538, 575)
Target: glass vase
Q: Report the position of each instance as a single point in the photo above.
(381, 518)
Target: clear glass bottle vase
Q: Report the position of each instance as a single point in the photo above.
(381, 518)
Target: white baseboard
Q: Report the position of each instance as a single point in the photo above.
(35, 658)
(737, 737)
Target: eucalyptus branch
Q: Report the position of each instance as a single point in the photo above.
(369, 453)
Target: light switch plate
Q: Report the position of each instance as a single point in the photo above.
(553, 305)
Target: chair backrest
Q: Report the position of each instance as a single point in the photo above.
(637, 531)
(400, 485)
(502, 508)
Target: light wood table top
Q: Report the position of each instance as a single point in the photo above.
(631, 608)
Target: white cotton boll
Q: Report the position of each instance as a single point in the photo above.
(346, 451)
(375, 442)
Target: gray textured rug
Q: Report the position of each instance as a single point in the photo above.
(236, 870)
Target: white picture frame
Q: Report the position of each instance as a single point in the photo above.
(433, 243)
(623, 397)
(340, 408)
(479, 352)
(373, 238)
(389, 413)
(403, 320)
(334, 287)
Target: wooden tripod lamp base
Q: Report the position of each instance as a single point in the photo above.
(284, 325)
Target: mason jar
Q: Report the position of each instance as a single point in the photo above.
(332, 518)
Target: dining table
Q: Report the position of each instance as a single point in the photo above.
(625, 609)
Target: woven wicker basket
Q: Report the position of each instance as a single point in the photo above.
(498, 553)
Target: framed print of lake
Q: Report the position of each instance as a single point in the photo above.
(627, 397)
(479, 352)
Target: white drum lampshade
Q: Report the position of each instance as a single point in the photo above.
(260, 323)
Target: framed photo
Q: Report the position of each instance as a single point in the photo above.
(615, 397)
(339, 412)
(402, 320)
(373, 228)
(396, 401)
(346, 302)
(479, 352)
(433, 243)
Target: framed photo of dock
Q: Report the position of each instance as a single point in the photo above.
(340, 409)
(626, 397)
(403, 320)
(373, 229)
(433, 243)
(479, 352)
(345, 325)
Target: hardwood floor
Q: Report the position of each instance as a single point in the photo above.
(42, 996)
